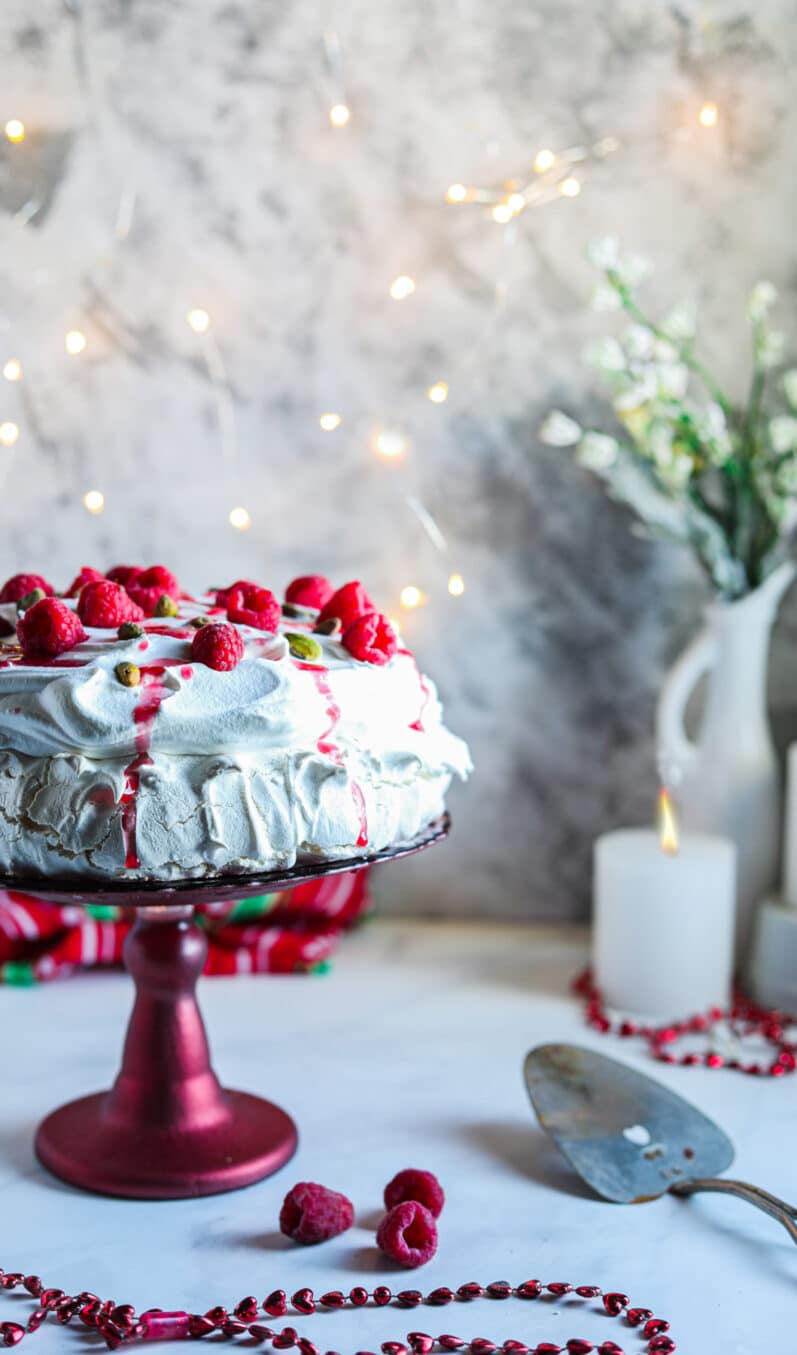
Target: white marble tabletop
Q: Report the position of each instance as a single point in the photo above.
(408, 1053)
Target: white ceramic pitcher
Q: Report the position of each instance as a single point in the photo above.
(728, 781)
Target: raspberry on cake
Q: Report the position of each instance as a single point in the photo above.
(218, 646)
(106, 605)
(347, 604)
(86, 575)
(311, 590)
(148, 587)
(124, 574)
(49, 628)
(250, 605)
(144, 734)
(19, 585)
(371, 638)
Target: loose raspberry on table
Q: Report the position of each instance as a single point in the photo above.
(106, 605)
(311, 1213)
(253, 606)
(371, 639)
(218, 646)
(19, 585)
(86, 575)
(413, 1184)
(222, 594)
(148, 587)
(49, 628)
(124, 574)
(408, 1234)
(347, 604)
(311, 590)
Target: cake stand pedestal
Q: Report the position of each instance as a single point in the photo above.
(167, 1129)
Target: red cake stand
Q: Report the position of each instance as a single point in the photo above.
(167, 1129)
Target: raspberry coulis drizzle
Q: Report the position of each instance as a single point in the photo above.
(331, 750)
(152, 694)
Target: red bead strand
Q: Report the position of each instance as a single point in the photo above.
(744, 1018)
(119, 1323)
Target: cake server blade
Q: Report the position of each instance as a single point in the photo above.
(630, 1138)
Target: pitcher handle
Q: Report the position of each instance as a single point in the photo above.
(676, 750)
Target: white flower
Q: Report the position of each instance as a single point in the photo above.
(638, 393)
(639, 341)
(769, 349)
(673, 379)
(605, 298)
(634, 269)
(604, 252)
(783, 433)
(597, 451)
(559, 430)
(713, 430)
(677, 473)
(665, 351)
(790, 386)
(681, 321)
(607, 355)
(659, 442)
(761, 300)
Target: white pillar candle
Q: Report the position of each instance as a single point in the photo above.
(664, 923)
(790, 830)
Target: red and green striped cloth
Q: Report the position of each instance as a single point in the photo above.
(295, 931)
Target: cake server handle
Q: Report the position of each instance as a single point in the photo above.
(786, 1214)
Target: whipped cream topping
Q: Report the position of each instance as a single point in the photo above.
(196, 771)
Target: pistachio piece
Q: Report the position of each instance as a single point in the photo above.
(129, 674)
(35, 595)
(165, 606)
(332, 626)
(197, 622)
(303, 646)
(298, 613)
(130, 630)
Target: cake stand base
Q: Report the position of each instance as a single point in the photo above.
(78, 1144)
(166, 1129)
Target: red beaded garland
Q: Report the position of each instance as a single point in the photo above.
(119, 1323)
(744, 1017)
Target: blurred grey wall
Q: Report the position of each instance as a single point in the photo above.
(179, 154)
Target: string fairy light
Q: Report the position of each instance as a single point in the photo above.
(239, 518)
(14, 130)
(329, 422)
(708, 115)
(411, 597)
(402, 287)
(9, 432)
(438, 392)
(551, 177)
(339, 115)
(456, 585)
(390, 443)
(12, 370)
(75, 342)
(94, 501)
(198, 320)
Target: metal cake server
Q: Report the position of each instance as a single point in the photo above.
(629, 1137)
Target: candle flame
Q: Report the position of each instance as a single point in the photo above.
(668, 826)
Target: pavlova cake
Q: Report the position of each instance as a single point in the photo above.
(147, 733)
